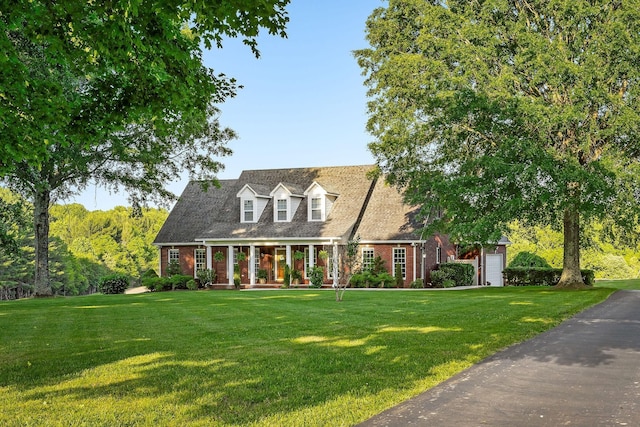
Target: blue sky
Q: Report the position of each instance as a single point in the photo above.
(303, 102)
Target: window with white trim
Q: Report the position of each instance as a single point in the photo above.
(256, 260)
(174, 255)
(400, 257)
(281, 210)
(248, 210)
(200, 260)
(316, 209)
(438, 255)
(367, 259)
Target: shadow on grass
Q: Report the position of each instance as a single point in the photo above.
(218, 357)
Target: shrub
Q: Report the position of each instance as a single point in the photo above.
(236, 275)
(179, 281)
(357, 281)
(386, 280)
(173, 268)
(398, 275)
(528, 259)
(461, 274)
(114, 284)
(192, 285)
(438, 277)
(287, 276)
(262, 274)
(540, 276)
(316, 277)
(206, 276)
(417, 284)
(158, 284)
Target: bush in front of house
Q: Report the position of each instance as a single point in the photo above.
(528, 260)
(537, 276)
(453, 274)
(114, 284)
(316, 277)
(179, 281)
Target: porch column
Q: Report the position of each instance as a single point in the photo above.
(335, 264)
(312, 258)
(252, 263)
(415, 266)
(209, 258)
(230, 265)
(289, 256)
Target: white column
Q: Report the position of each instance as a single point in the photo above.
(288, 261)
(312, 258)
(252, 262)
(335, 264)
(230, 264)
(209, 258)
(415, 262)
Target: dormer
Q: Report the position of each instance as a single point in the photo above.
(253, 200)
(320, 202)
(286, 199)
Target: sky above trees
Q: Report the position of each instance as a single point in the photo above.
(303, 102)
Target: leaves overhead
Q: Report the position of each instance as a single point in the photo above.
(504, 109)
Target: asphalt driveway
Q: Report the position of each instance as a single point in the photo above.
(585, 372)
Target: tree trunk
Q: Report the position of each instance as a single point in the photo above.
(41, 201)
(571, 276)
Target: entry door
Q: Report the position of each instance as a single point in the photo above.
(281, 261)
(494, 269)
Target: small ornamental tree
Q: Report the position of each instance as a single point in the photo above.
(349, 262)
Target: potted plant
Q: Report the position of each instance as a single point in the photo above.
(296, 277)
(241, 256)
(323, 255)
(262, 275)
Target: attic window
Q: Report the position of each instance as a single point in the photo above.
(247, 211)
(281, 210)
(316, 209)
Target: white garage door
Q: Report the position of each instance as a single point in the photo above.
(494, 269)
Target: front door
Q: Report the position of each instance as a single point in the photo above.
(281, 261)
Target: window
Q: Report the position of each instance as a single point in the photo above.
(201, 260)
(281, 210)
(367, 259)
(438, 255)
(316, 209)
(400, 257)
(174, 255)
(247, 208)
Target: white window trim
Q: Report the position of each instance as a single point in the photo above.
(277, 209)
(170, 257)
(368, 263)
(203, 264)
(245, 211)
(403, 264)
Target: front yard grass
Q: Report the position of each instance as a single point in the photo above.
(256, 358)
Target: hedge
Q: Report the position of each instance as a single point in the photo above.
(453, 274)
(536, 276)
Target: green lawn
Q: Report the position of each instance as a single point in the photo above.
(264, 358)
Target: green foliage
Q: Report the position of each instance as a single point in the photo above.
(452, 274)
(192, 285)
(316, 277)
(398, 276)
(527, 259)
(206, 276)
(287, 276)
(179, 281)
(114, 284)
(218, 256)
(173, 268)
(417, 284)
(387, 280)
(494, 111)
(296, 275)
(537, 276)
(237, 278)
(262, 274)
(158, 284)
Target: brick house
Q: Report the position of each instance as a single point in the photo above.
(298, 218)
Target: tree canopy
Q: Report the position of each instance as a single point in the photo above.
(507, 109)
(115, 92)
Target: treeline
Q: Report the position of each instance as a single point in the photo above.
(84, 247)
(612, 253)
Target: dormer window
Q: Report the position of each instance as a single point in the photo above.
(247, 210)
(287, 198)
(316, 209)
(253, 200)
(320, 202)
(281, 210)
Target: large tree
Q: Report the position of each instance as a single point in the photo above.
(502, 109)
(114, 92)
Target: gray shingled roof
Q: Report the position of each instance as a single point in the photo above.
(215, 214)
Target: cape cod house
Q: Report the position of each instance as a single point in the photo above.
(297, 218)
